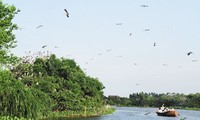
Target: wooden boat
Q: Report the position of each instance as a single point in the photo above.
(164, 111)
(170, 113)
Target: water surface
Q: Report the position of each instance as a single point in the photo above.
(134, 113)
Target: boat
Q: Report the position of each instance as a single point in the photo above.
(164, 111)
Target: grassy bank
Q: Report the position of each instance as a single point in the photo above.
(87, 113)
(186, 108)
(11, 118)
(57, 115)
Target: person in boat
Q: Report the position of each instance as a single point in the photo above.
(163, 109)
(160, 110)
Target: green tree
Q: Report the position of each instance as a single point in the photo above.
(7, 38)
(64, 81)
(17, 100)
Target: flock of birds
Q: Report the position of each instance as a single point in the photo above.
(99, 54)
(29, 58)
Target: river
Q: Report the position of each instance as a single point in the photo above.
(134, 113)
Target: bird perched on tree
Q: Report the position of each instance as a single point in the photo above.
(67, 14)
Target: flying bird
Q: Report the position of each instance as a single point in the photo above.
(67, 14)
(146, 30)
(130, 34)
(44, 46)
(119, 23)
(165, 65)
(108, 50)
(194, 60)
(154, 44)
(119, 56)
(144, 6)
(39, 26)
(189, 53)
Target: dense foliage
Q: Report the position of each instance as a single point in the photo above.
(17, 100)
(63, 81)
(7, 38)
(156, 100)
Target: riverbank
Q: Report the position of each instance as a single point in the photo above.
(180, 108)
(69, 114)
(75, 114)
(187, 108)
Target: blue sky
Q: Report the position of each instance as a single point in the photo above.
(127, 64)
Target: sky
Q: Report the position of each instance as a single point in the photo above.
(113, 40)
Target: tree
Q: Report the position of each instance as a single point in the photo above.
(17, 100)
(64, 81)
(7, 38)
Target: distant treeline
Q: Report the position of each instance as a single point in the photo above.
(156, 100)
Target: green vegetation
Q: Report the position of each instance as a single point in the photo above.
(45, 86)
(71, 113)
(176, 100)
(49, 87)
(7, 38)
(12, 118)
(63, 81)
(16, 100)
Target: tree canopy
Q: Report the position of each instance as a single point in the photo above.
(63, 81)
(60, 78)
(7, 38)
